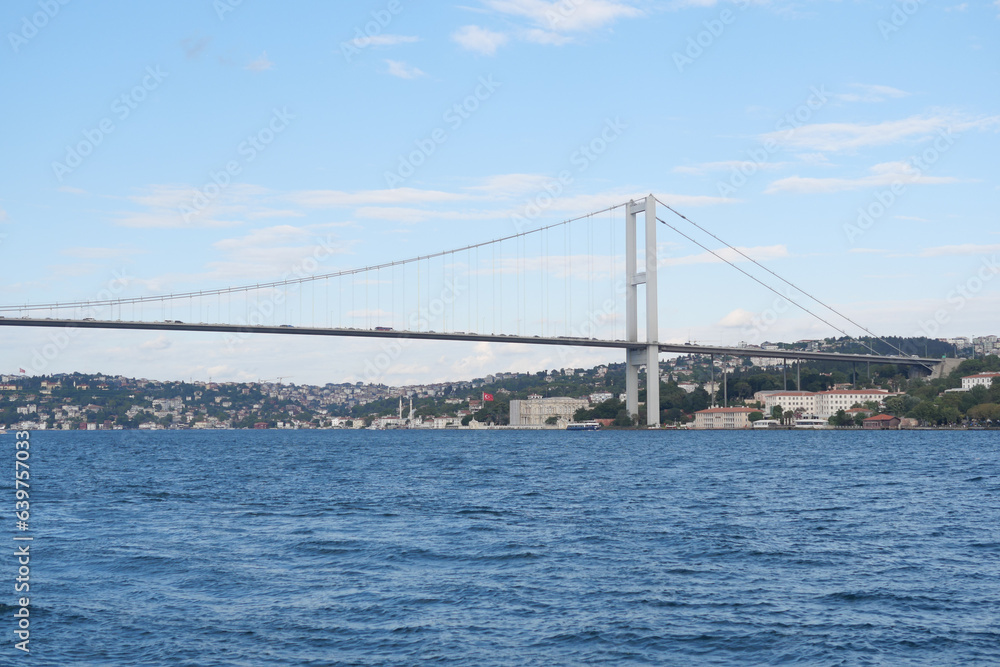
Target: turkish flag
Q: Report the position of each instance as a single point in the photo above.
(487, 397)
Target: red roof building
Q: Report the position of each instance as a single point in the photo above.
(882, 422)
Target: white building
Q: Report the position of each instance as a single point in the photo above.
(537, 410)
(823, 404)
(829, 402)
(978, 380)
(804, 401)
(723, 418)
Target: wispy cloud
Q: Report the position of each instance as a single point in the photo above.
(479, 40)
(397, 196)
(262, 64)
(838, 137)
(566, 16)
(400, 69)
(725, 165)
(163, 206)
(759, 253)
(959, 250)
(194, 46)
(383, 40)
(547, 22)
(886, 173)
(871, 93)
(102, 253)
(538, 36)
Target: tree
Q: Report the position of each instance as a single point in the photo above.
(776, 413)
(841, 419)
(755, 416)
(985, 411)
(552, 421)
(623, 419)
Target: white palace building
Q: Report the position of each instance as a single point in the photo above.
(823, 404)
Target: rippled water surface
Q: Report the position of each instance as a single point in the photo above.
(510, 548)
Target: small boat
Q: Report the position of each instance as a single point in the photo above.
(584, 426)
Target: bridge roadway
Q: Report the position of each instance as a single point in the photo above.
(464, 337)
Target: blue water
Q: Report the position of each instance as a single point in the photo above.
(509, 548)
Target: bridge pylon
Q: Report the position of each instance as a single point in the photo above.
(645, 352)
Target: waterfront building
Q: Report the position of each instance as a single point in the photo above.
(537, 410)
(796, 401)
(723, 418)
(882, 422)
(823, 404)
(828, 403)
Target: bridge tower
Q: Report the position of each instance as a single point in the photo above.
(647, 354)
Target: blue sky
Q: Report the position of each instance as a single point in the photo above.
(850, 147)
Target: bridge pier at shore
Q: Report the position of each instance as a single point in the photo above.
(647, 354)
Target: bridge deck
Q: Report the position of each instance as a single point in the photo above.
(463, 337)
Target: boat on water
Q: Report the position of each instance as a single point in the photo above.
(584, 426)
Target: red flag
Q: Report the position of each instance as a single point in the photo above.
(23, 371)
(487, 397)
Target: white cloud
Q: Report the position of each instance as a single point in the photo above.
(339, 198)
(871, 93)
(737, 318)
(383, 40)
(961, 250)
(185, 207)
(479, 40)
(547, 37)
(3, 215)
(725, 165)
(403, 71)
(512, 185)
(101, 253)
(157, 344)
(566, 15)
(883, 174)
(836, 137)
(262, 64)
(758, 253)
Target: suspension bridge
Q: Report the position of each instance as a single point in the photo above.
(589, 281)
